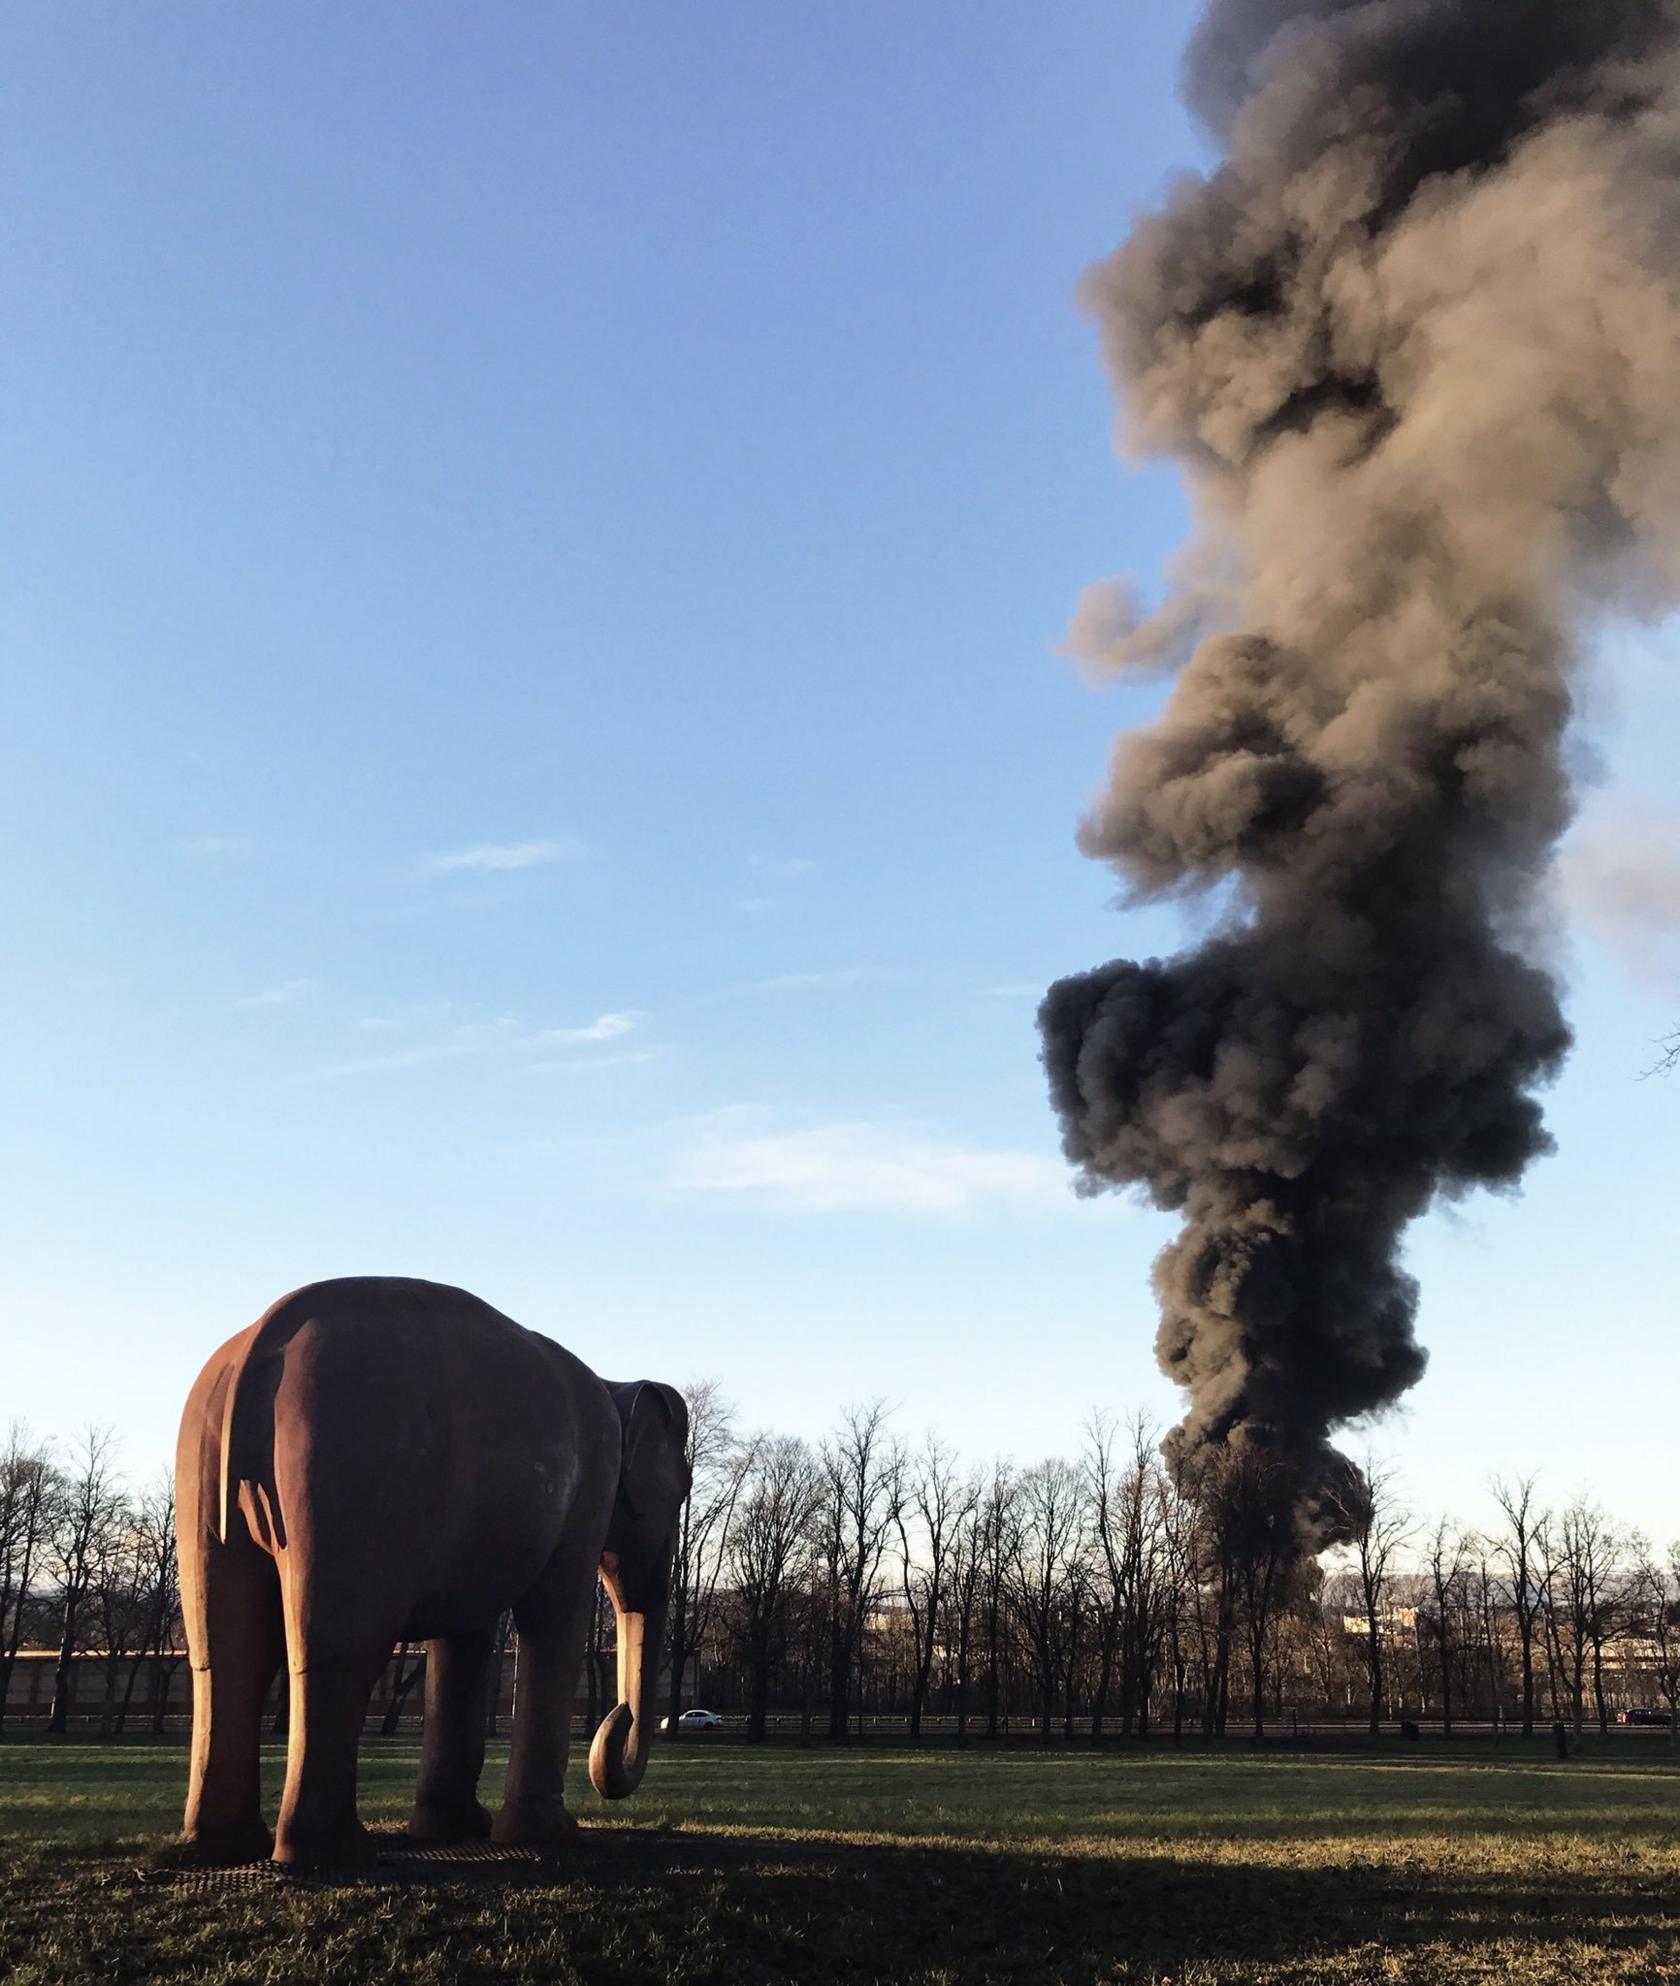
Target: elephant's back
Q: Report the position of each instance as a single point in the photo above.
(406, 1318)
(423, 1407)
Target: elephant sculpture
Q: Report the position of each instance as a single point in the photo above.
(378, 1460)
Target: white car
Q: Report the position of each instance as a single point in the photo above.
(694, 1720)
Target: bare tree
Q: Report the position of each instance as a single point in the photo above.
(1182, 1555)
(1249, 1500)
(160, 1581)
(999, 1520)
(1048, 1539)
(1446, 1580)
(90, 1504)
(717, 1468)
(936, 1503)
(117, 1605)
(766, 1547)
(962, 1596)
(1128, 1519)
(862, 1475)
(1380, 1528)
(28, 1489)
(1518, 1550)
(1592, 1564)
(1549, 1561)
(1655, 1603)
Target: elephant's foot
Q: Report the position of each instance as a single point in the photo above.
(441, 1822)
(224, 1844)
(339, 1851)
(535, 1827)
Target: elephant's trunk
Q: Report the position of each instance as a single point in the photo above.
(618, 1757)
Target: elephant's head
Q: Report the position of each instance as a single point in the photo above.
(653, 1479)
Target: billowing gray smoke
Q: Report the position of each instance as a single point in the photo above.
(1416, 345)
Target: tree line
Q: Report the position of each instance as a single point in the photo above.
(88, 1565)
(1093, 1595)
(1079, 1596)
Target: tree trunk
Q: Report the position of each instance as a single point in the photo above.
(680, 1652)
(1446, 1683)
(839, 1685)
(129, 1688)
(1374, 1656)
(993, 1680)
(1527, 1632)
(758, 1695)
(1257, 1667)
(402, 1688)
(1105, 1679)
(163, 1673)
(64, 1678)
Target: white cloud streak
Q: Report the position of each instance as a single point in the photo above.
(609, 1027)
(500, 858)
(857, 1166)
(504, 1036)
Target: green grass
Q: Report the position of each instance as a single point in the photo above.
(731, 1864)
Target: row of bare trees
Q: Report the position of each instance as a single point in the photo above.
(87, 1564)
(1554, 1612)
(861, 1574)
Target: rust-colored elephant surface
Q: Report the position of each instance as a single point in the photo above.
(376, 1460)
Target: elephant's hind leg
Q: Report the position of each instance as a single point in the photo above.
(231, 1604)
(332, 1678)
(446, 1804)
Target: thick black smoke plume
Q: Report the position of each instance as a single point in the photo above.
(1416, 345)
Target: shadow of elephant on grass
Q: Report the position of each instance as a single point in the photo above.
(630, 1903)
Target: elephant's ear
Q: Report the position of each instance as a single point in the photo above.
(653, 1476)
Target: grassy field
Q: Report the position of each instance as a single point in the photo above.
(1427, 1864)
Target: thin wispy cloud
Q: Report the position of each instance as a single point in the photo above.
(609, 1027)
(500, 858)
(857, 1166)
(417, 1041)
(785, 868)
(403, 1019)
(286, 994)
(625, 1058)
(805, 982)
(465, 1038)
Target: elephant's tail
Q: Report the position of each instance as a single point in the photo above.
(247, 1473)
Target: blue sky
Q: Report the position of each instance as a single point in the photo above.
(534, 753)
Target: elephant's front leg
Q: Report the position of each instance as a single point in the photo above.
(552, 1621)
(446, 1806)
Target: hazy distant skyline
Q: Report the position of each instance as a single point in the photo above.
(537, 758)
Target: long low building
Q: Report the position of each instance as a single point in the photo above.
(99, 1693)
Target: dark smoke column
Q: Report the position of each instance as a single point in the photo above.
(1416, 345)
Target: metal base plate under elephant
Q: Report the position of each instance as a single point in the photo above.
(378, 1460)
